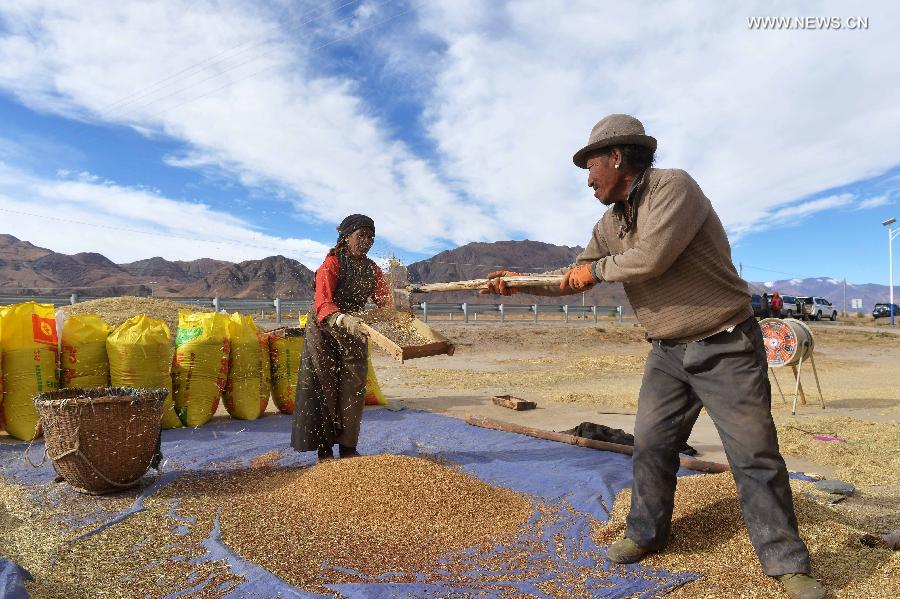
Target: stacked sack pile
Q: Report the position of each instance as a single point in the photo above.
(217, 358)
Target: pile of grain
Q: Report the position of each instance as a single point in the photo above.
(396, 326)
(371, 514)
(854, 461)
(116, 310)
(709, 537)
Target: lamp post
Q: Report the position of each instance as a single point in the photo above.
(891, 234)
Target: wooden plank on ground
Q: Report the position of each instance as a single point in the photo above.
(514, 403)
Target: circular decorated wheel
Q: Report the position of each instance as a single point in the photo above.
(786, 341)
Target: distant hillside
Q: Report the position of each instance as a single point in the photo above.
(275, 276)
(476, 260)
(26, 269)
(171, 277)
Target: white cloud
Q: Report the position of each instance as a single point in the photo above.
(259, 111)
(82, 214)
(874, 202)
(759, 118)
(805, 209)
(509, 91)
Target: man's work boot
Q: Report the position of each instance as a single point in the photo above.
(626, 551)
(325, 453)
(801, 586)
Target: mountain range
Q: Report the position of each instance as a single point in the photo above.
(26, 269)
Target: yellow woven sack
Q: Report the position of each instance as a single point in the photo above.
(138, 351)
(286, 347)
(200, 368)
(84, 363)
(374, 396)
(249, 377)
(1, 374)
(29, 355)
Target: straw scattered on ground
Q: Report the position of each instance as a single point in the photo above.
(709, 537)
(586, 369)
(116, 310)
(871, 455)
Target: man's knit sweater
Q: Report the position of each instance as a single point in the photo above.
(674, 260)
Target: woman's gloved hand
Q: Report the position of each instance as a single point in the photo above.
(349, 323)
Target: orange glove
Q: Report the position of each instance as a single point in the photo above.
(580, 278)
(500, 286)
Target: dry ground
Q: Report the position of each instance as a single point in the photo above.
(582, 371)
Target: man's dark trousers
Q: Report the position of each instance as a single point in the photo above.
(726, 374)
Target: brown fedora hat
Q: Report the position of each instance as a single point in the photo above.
(614, 130)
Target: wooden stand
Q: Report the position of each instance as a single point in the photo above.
(798, 386)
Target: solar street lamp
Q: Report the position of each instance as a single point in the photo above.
(891, 235)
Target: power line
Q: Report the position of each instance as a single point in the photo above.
(209, 62)
(259, 72)
(240, 64)
(780, 272)
(142, 232)
(156, 234)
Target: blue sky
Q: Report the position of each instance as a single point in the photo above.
(236, 130)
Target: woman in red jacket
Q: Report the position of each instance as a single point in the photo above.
(776, 305)
(332, 381)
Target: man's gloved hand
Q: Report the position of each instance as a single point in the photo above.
(349, 323)
(500, 285)
(580, 278)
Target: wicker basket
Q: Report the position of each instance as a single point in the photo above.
(101, 440)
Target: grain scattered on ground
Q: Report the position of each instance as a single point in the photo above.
(40, 531)
(709, 537)
(870, 456)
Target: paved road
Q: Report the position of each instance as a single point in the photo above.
(852, 327)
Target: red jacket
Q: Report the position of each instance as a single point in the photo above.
(326, 283)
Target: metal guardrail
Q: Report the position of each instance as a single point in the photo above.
(466, 309)
(281, 306)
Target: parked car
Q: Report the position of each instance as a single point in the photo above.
(756, 304)
(791, 306)
(884, 311)
(815, 308)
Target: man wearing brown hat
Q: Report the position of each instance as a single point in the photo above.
(664, 242)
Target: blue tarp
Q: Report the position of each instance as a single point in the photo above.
(12, 580)
(577, 482)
